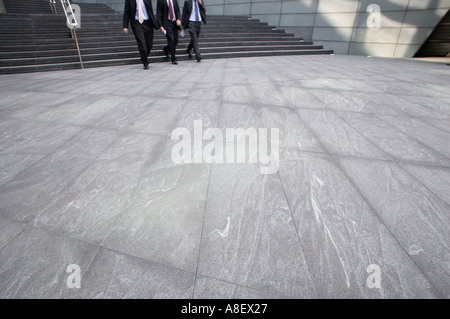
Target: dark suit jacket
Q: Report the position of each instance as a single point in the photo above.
(162, 12)
(129, 13)
(187, 10)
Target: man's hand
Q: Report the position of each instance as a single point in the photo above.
(178, 23)
(200, 1)
(125, 30)
(161, 29)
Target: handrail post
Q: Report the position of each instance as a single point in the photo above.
(72, 25)
(78, 47)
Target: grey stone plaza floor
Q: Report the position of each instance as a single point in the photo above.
(86, 178)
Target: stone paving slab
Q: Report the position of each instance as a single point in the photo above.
(87, 178)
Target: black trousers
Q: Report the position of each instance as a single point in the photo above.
(172, 39)
(194, 31)
(144, 38)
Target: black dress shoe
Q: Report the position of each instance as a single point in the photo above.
(146, 66)
(199, 59)
(190, 54)
(175, 62)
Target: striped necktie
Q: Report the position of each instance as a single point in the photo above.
(171, 13)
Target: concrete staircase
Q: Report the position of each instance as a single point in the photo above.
(33, 39)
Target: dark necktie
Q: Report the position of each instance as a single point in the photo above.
(171, 17)
(196, 10)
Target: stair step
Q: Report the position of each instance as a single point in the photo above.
(51, 50)
(104, 63)
(95, 26)
(90, 40)
(68, 50)
(131, 52)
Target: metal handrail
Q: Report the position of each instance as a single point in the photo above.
(71, 21)
(72, 24)
(53, 6)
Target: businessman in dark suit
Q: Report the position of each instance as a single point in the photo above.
(194, 13)
(168, 17)
(139, 13)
